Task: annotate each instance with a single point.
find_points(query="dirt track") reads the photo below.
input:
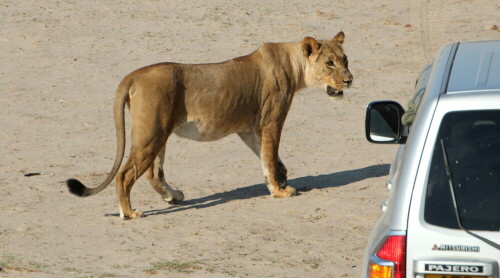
(60, 62)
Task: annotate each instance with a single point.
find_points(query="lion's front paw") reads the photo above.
(136, 214)
(286, 192)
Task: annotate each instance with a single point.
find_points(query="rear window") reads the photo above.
(471, 140)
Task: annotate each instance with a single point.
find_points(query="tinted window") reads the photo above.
(471, 142)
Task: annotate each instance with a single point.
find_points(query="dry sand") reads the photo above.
(60, 62)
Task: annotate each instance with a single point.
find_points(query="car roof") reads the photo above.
(475, 67)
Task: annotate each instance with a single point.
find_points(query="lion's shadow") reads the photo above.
(302, 184)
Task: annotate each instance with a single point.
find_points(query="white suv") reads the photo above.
(442, 216)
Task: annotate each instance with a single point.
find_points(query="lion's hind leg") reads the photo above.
(147, 140)
(156, 178)
(126, 178)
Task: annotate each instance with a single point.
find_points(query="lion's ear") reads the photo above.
(339, 38)
(310, 46)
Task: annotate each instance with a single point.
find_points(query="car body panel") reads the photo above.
(476, 67)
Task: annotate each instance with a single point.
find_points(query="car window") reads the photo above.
(414, 102)
(471, 140)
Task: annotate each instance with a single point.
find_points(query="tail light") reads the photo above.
(390, 259)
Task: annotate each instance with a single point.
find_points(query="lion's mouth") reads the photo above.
(332, 92)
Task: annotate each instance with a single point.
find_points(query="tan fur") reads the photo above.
(249, 96)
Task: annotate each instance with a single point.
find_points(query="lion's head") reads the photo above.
(327, 65)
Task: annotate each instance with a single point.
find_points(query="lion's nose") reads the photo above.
(348, 79)
(348, 82)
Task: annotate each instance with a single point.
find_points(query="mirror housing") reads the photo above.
(383, 123)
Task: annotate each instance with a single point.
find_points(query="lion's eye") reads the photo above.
(329, 63)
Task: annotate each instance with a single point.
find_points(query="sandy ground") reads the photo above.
(60, 62)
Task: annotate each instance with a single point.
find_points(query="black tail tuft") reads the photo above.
(77, 188)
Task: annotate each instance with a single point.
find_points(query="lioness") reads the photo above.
(248, 95)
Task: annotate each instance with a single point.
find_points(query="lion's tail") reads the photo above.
(122, 96)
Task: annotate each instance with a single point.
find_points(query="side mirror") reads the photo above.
(383, 122)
